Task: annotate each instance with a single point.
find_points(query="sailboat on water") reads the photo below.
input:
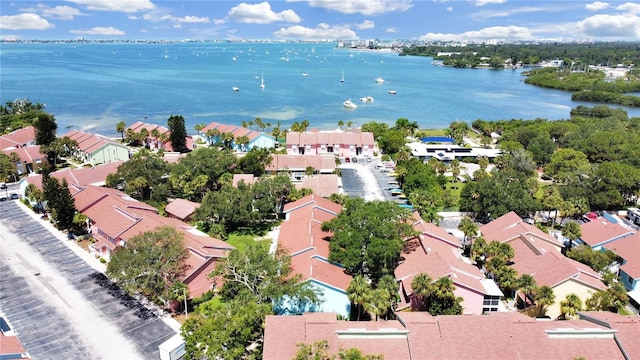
(262, 81)
(342, 78)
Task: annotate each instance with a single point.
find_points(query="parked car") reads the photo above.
(14, 196)
(368, 159)
(3, 185)
(354, 159)
(347, 160)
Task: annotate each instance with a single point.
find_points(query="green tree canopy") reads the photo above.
(150, 263)
(178, 133)
(368, 237)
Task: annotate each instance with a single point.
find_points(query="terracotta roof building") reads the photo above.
(339, 143)
(97, 149)
(114, 218)
(212, 134)
(627, 327)
(153, 141)
(18, 138)
(302, 238)
(602, 233)
(181, 209)
(418, 335)
(437, 254)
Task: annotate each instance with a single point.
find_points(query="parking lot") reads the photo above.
(361, 179)
(61, 307)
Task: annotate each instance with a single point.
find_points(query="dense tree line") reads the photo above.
(612, 53)
(588, 86)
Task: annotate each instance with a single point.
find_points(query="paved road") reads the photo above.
(61, 307)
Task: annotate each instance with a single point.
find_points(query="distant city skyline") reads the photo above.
(426, 20)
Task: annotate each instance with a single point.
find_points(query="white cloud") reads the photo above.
(321, 32)
(392, 30)
(450, 8)
(24, 22)
(487, 2)
(631, 8)
(57, 12)
(597, 6)
(160, 15)
(127, 6)
(364, 7)
(106, 31)
(488, 14)
(496, 32)
(261, 14)
(611, 26)
(367, 24)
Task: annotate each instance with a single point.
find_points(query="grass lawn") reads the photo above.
(432, 132)
(456, 189)
(240, 241)
(540, 192)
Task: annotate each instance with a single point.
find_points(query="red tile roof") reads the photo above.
(79, 177)
(18, 138)
(313, 201)
(28, 155)
(628, 248)
(237, 131)
(323, 185)
(600, 231)
(552, 269)
(421, 336)
(321, 163)
(628, 329)
(181, 208)
(510, 226)
(10, 345)
(89, 143)
(121, 217)
(354, 137)
(248, 179)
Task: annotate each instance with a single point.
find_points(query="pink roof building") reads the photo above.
(155, 142)
(628, 329)
(304, 241)
(437, 254)
(23, 137)
(97, 149)
(212, 135)
(602, 233)
(30, 158)
(181, 209)
(418, 335)
(322, 185)
(510, 228)
(297, 164)
(115, 218)
(628, 248)
(339, 143)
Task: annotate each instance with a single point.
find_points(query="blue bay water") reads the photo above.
(94, 86)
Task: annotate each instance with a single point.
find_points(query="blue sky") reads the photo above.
(564, 20)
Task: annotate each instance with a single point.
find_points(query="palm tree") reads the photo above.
(309, 170)
(455, 169)
(250, 123)
(544, 297)
(421, 286)
(241, 141)
(212, 134)
(304, 124)
(349, 124)
(244, 124)
(379, 303)
(359, 293)
(470, 230)
(199, 127)
(572, 232)
(120, 128)
(570, 306)
(527, 285)
(390, 287)
(478, 251)
(340, 124)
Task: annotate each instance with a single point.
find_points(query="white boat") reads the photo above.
(349, 104)
(392, 92)
(262, 81)
(235, 88)
(379, 80)
(366, 99)
(342, 78)
(304, 74)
